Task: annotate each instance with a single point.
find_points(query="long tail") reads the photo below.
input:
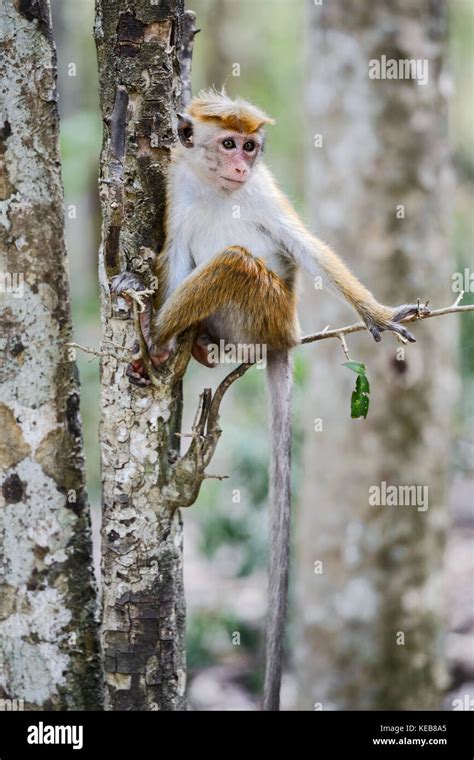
(280, 383)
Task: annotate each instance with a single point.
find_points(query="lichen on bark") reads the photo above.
(143, 600)
(49, 654)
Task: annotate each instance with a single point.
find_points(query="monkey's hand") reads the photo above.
(131, 287)
(126, 284)
(385, 318)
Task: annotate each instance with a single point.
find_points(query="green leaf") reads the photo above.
(357, 367)
(360, 397)
(359, 405)
(362, 384)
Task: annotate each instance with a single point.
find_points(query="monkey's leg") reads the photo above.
(233, 278)
(201, 345)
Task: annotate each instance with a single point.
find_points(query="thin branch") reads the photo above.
(359, 326)
(143, 350)
(344, 347)
(96, 352)
(213, 418)
(202, 414)
(138, 296)
(213, 430)
(188, 472)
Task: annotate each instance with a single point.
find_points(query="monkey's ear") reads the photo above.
(185, 131)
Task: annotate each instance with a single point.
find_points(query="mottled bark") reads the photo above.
(143, 603)
(384, 145)
(48, 627)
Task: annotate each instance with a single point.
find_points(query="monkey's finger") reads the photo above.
(374, 331)
(395, 327)
(137, 378)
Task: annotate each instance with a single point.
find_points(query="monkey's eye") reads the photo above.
(249, 146)
(228, 144)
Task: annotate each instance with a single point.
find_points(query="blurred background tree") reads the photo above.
(225, 532)
(370, 623)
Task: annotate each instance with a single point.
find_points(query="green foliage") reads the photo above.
(358, 367)
(273, 80)
(209, 638)
(301, 369)
(252, 680)
(243, 532)
(360, 396)
(223, 529)
(360, 399)
(461, 20)
(80, 146)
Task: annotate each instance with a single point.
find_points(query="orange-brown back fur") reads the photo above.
(266, 301)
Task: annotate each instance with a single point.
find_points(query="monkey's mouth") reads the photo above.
(234, 181)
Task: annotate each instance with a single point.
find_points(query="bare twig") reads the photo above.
(143, 351)
(96, 352)
(213, 418)
(359, 326)
(200, 422)
(344, 346)
(138, 296)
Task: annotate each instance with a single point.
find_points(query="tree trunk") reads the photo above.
(48, 628)
(143, 601)
(370, 622)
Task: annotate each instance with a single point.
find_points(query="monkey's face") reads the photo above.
(225, 157)
(235, 154)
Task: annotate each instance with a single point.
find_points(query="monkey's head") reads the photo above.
(225, 137)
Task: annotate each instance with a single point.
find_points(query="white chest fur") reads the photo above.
(211, 220)
(227, 223)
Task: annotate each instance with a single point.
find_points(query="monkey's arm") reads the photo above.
(313, 255)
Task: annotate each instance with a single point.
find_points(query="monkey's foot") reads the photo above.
(161, 353)
(130, 286)
(137, 373)
(201, 355)
(400, 312)
(403, 312)
(200, 349)
(417, 310)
